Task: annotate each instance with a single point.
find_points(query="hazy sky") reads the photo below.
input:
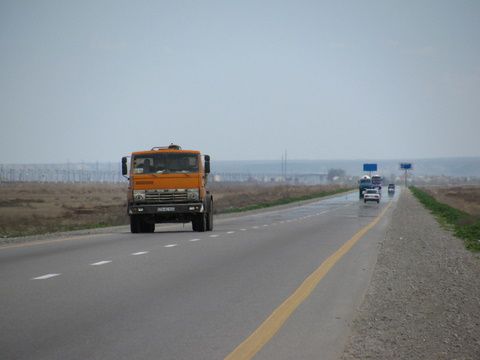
(95, 80)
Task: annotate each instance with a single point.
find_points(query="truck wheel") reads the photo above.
(148, 227)
(138, 225)
(199, 223)
(134, 224)
(210, 218)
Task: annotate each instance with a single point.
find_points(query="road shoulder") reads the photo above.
(424, 295)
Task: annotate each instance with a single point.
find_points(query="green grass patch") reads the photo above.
(284, 201)
(464, 226)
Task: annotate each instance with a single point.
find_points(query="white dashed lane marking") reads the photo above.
(46, 276)
(139, 253)
(103, 262)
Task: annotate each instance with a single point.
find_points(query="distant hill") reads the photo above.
(469, 166)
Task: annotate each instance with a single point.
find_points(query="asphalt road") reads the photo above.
(176, 294)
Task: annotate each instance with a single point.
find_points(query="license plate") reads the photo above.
(164, 209)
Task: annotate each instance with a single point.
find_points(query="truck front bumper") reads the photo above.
(193, 208)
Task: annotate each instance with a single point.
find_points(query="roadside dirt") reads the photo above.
(36, 208)
(465, 198)
(424, 297)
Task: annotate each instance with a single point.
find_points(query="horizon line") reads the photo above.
(264, 160)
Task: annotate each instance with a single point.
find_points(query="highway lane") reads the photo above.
(177, 294)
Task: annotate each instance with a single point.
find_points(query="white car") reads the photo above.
(371, 195)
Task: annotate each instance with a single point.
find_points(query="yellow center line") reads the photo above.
(262, 335)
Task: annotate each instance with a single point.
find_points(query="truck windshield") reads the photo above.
(164, 163)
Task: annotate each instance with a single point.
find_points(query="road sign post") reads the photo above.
(406, 167)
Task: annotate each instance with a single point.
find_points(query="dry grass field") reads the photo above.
(230, 196)
(465, 198)
(37, 208)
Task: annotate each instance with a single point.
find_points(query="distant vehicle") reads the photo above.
(377, 181)
(391, 188)
(363, 184)
(372, 195)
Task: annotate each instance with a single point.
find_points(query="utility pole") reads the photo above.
(281, 170)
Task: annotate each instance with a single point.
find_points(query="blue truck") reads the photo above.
(364, 183)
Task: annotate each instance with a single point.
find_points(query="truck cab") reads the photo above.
(168, 185)
(377, 181)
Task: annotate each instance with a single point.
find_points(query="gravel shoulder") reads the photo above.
(423, 301)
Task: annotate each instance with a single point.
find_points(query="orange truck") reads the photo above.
(168, 185)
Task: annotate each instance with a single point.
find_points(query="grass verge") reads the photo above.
(464, 226)
(7, 237)
(284, 201)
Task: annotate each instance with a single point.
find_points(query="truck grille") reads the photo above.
(166, 196)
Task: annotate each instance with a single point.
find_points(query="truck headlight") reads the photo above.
(138, 195)
(192, 194)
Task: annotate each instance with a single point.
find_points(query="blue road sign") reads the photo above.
(369, 167)
(406, 166)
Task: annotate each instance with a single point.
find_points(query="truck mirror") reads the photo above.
(124, 166)
(207, 164)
